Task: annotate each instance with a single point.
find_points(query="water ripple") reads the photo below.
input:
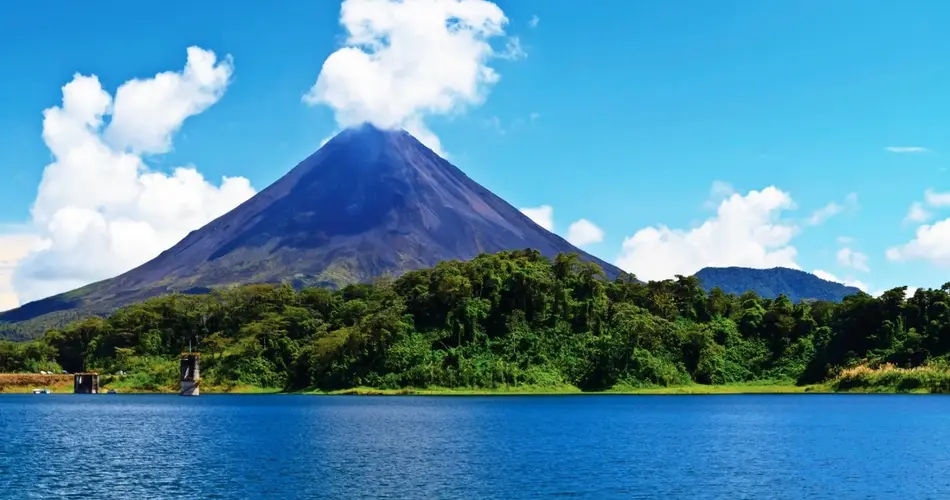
(123, 446)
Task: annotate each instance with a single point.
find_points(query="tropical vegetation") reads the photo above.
(509, 320)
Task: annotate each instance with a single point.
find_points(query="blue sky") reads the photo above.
(626, 115)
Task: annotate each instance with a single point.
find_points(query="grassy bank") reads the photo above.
(886, 379)
(458, 391)
(24, 383)
(891, 379)
(697, 389)
(742, 388)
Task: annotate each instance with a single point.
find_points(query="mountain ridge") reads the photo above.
(769, 283)
(367, 203)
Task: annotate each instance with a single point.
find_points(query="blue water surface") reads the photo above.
(781, 446)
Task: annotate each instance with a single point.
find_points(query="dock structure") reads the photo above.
(190, 377)
(86, 383)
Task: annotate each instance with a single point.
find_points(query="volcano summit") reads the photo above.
(370, 202)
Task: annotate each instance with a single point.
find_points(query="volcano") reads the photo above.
(368, 203)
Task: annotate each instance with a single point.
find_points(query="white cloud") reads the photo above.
(100, 210)
(856, 260)
(746, 231)
(845, 240)
(935, 199)
(146, 112)
(931, 243)
(533, 22)
(906, 149)
(581, 232)
(513, 50)
(13, 247)
(495, 123)
(824, 213)
(584, 232)
(831, 209)
(860, 285)
(405, 60)
(720, 190)
(917, 213)
(542, 216)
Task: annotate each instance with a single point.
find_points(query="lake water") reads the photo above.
(782, 446)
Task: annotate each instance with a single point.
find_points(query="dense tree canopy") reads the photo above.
(513, 318)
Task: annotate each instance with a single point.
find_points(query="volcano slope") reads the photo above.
(368, 203)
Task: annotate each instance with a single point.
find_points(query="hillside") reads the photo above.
(770, 283)
(368, 203)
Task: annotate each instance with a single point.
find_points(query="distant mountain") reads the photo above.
(368, 203)
(771, 283)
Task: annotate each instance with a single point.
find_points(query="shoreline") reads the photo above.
(62, 384)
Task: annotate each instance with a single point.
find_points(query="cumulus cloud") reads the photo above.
(850, 258)
(584, 232)
(100, 210)
(13, 247)
(405, 60)
(146, 112)
(918, 212)
(906, 149)
(580, 233)
(825, 275)
(746, 231)
(542, 216)
(931, 243)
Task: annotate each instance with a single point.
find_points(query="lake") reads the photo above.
(274, 446)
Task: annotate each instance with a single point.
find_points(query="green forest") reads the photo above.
(512, 319)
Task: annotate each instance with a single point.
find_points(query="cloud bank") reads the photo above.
(931, 241)
(13, 247)
(746, 231)
(405, 60)
(100, 210)
(860, 285)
